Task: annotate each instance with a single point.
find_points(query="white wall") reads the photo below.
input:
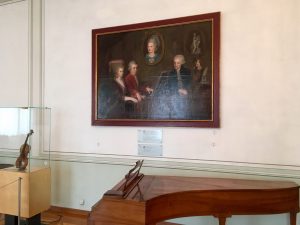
(258, 79)
(14, 54)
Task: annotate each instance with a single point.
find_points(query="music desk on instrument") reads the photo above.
(152, 199)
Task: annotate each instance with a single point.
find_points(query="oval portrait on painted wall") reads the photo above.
(153, 48)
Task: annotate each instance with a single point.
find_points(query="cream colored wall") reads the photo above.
(14, 54)
(258, 79)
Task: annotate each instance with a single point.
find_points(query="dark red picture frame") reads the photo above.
(161, 94)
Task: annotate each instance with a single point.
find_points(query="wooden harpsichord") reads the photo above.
(147, 200)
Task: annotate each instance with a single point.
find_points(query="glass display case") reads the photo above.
(25, 175)
(25, 128)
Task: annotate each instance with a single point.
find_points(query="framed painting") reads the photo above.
(161, 73)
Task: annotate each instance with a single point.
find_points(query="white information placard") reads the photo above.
(150, 136)
(152, 150)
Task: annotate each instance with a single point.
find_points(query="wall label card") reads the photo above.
(150, 136)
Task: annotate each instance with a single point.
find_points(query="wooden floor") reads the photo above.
(63, 216)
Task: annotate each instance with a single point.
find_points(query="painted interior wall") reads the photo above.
(258, 85)
(258, 80)
(14, 54)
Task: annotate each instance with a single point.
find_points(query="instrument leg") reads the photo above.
(293, 218)
(222, 220)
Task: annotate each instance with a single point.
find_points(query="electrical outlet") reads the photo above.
(81, 202)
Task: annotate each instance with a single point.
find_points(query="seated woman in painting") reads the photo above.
(120, 103)
(152, 56)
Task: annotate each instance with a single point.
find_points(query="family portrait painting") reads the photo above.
(160, 73)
